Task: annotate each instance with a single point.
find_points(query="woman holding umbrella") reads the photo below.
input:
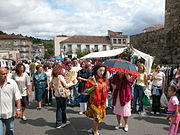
(122, 97)
(121, 83)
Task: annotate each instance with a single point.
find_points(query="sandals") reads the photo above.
(94, 133)
(38, 108)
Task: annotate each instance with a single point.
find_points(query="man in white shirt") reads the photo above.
(9, 94)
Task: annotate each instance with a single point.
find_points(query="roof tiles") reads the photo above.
(87, 39)
(12, 37)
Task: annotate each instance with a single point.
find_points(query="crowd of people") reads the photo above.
(68, 79)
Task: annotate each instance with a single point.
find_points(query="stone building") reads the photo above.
(38, 50)
(164, 43)
(6, 54)
(65, 46)
(16, 43)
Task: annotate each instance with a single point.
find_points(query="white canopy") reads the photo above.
(148, 59)
(101, 54)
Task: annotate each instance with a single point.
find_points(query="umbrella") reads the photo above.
(122, 66)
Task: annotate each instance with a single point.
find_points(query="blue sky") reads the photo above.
(48, 18)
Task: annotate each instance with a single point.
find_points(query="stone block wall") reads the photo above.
(150, 42)
(164, 44)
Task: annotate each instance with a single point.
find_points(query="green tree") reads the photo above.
(127, 54)
(49, 48)
(2, 33)
(81, 53)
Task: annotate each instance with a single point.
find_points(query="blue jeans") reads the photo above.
(74, 95)
(138, 95)
(9, 123)
(61, 117)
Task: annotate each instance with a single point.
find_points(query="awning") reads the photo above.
(110, 53)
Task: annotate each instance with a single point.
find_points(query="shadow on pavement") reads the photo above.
(78, 126)
(38, 122)
(109, 111)
(153, 120)
(69, 110)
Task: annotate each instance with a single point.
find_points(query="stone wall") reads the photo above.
(150, 42)
(164, 44)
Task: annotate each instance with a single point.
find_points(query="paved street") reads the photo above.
(43, 123)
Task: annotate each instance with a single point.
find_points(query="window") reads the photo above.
(119, 41)
(104, 47)
(114, 41)
(124, 41)
(23, 49)
(69, 47)
(96, 48)
(24, 43)
(79, 47)
(87, 48)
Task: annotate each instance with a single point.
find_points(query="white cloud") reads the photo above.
(47, 18)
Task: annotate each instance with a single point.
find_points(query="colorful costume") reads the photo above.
(96, 103)
(173, 129)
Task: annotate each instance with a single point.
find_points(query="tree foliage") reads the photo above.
(127, 54)
(81, 53)
(2, 33)
(49, 48)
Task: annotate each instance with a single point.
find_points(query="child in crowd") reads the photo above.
(173, 111)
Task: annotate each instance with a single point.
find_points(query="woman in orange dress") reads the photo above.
(96, 103)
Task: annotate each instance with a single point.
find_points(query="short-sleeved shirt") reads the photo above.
(71, 75)
(84, 74)
(40, 80)
(49, 73)
(22, 82)
(9, 93)
(172, 102)
(159, 81)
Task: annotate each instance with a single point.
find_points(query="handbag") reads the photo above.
(146, 101)
(82, 98)
(64, 92)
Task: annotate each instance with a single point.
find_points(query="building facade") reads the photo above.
(69, 46)
(164, 43)
(16, 43)
(58, 51)
(38, 50)
(6, 54)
